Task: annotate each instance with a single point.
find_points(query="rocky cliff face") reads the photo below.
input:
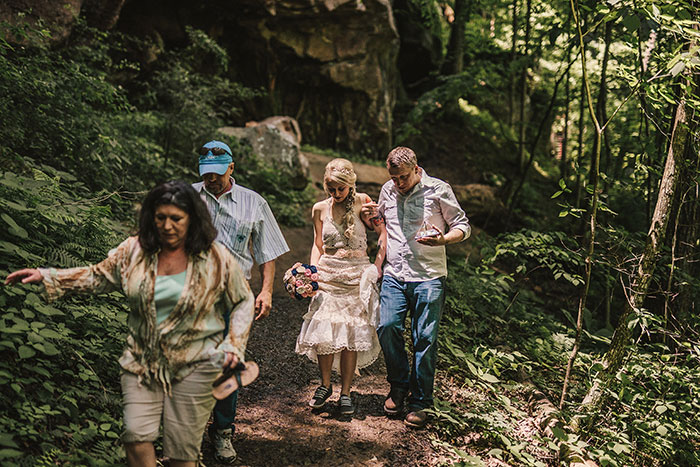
(331, 64)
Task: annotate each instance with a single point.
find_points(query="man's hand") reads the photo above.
(263, 304)
(369, 210)
(435, 240)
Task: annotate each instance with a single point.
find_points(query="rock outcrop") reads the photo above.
(481, 203)
(276, 142)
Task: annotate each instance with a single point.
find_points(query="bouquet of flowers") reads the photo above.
(301, 280)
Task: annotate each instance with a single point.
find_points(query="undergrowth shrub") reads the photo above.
(649, 417)
(506, 323)
(59, 378)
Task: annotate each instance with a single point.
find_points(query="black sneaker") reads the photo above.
(346, 405)
(321, 396)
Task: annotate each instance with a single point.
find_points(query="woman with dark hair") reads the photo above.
(180, 283)
(202, 232)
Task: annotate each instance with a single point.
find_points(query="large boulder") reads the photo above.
(370, 178)
(481, 204)
(275, 141)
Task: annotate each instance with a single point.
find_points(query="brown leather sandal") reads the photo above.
(232, 379)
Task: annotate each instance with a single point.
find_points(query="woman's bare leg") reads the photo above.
(348, 361)
(325, 364)
(140, 454)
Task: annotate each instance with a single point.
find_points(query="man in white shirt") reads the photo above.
(422, 215)
(247, 227)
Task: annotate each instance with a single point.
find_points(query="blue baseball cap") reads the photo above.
(214, 157)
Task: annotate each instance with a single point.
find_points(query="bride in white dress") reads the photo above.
(339, 330)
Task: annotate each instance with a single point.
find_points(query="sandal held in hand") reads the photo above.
(234, 378)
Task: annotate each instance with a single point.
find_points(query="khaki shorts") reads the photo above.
(184, 413)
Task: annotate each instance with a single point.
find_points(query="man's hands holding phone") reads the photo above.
(431, 237)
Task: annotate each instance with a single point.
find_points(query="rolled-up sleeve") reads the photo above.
(452, 212)
(241, 302)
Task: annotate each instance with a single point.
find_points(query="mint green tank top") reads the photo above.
(167, 293)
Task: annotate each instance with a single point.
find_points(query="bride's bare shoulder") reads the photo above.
(320, 207)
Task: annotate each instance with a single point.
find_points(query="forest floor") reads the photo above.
(274, 425)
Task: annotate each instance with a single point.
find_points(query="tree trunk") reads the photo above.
(578, 192)
(600, 110)
(523, 89)
(603, 97)
(454, 60)
(564, 162)
(513, 55)
(689, 225)
(645, 269)
(592, 212)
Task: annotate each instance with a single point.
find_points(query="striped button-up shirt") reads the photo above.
(431, 201)
(243, 219)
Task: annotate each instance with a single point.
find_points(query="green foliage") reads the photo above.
(60, 109)
(59, 378)
(443, 100)
(650, 417)
(554, 252)
(499, 295)
(499, 329)
(190, 92)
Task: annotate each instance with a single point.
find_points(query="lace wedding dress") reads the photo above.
(344, 313)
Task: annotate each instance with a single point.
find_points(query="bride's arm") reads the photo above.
(317, 247)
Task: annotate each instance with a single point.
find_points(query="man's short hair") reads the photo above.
(401, 156)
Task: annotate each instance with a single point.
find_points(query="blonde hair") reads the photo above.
(341, 171)
(400, 156)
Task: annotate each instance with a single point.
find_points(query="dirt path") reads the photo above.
(275, 426)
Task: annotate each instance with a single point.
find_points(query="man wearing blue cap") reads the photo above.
(247, 227)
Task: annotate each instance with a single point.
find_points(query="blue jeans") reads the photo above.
(225, 412)
(425, 301)
(225, 409)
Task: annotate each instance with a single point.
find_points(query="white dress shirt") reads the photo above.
(432, 201)
(242, 217)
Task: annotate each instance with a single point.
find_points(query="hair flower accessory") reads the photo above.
(300, 280)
